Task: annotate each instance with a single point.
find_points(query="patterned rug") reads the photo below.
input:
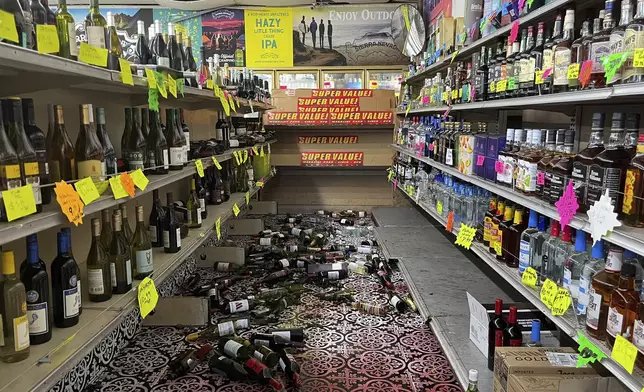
(346, 349)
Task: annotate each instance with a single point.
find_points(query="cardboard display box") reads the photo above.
(576, 383)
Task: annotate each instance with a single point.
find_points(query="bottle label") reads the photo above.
(242, 324)
(633, 39)
(582, 300)
(594, 307)
(597, 51)
(570, 284)
(562, 61)
(530, 177)
(334, 275)
(364, 249)
(629, 190)
(223, 267)
(285, 335)
(95, 279)
(394, 301)
(91, 168)
(547, 59)
(227, 328)
(579, 177)
(163, 61)
(135, 160)
(449, 159)
(231, 347)
(128, 271)
(265, 241)
(144, 261)
(343, 221)
(202, 205)
(301, 264)
(178, 237)
(238, 306)
(95, 36)
(616, 43)
(70, 303)
(285, 263)
(38, 316)
(638, 336)
(152, 232)
(295, 231)
(166, 159)
(199, 214)
(73, 46)
(21, 333)
(176, 156)
(600, 179)
(614, 322)
(524, 255)
(614, 260)
(259, 356)
(113, 273)
(166, 239)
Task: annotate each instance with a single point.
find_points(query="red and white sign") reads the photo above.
(331, 159)
(327, 139)
(354, 118)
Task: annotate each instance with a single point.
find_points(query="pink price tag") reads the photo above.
(395, 184)
(541, 178)
(567, 205)
(479, 160)
(430, 146)
(514, 31)
(546, 73)
(473, 31)
(521, 4)
(498, 167)
(425, 100)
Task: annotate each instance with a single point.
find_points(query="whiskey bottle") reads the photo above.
(616, 41)
(526, 66)
(584, 159)
(543, 176)
(601, 46)
(548, 61)
(634, 39)
(535, 62)
(561, 168)
(601, 288)
(562, 54)
(633, 205)
(623, 306)
(579, 51)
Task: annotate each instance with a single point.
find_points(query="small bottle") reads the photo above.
(535, 334)
(472, 381)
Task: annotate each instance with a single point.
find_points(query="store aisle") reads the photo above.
(346, 349)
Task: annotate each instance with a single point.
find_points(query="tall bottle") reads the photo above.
(584, 159)
(30, 24)
(61, 154)
(113, 45)
(157, 216)
(136, 149)
(634, 39)
(561, 168)
(548, 250)
(194, 207)
(186, 134)
(171, 228)
(603, 284)
(38, 142)
(622, 310)
(549, 54)
(64, 280)
(14, 313)
(141, 248)
(99, 275)
(9, 161)
(142, 50)
(190, 59)
(182, 127)
(573, 265)
(175, 55)
(633, 204)
(95, 25)
(109, 154)
(38, 14)
(160, 49)
(22, 28)
(592, 266)
(617, 37)
(66, 28)
(175, 140)
(601, 46)
(580, 51)
(495, 332)
(106, 229)
(562, 53)
(512, 335)
(513, 238)
(89, 152)
(157, 147)
(125, 138)
(26, 153)
(120, 261)
(145, 122)
(36, 282)
(128, 234)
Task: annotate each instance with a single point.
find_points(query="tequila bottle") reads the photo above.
(601, 46)
(634, 39)
(573, 266)
(584, 159)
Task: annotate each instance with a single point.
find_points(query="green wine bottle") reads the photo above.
(120, 262)
(99, 276)
(14, 341)
(113, 45)
(66, 28)
(141, 247)
(95, 25)
(194, 207)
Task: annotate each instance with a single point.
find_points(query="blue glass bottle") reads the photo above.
(36, 281)
(64, 278)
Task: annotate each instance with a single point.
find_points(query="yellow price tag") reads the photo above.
(126, 72)
(139, 178)
(209, 84)
(390, 174)
(247, 197)
(445, 96)
(87, 190)
(573, 71)
(199, 166)
(638, 58)
(148, 296)
(8, 28)
(405, 13)
(161, 82)
(231, 102)
(538, 77)
(624, 353)
(497, 248)
(465, 236)
(218, 228)
(47, 39)
(454, 94)
(224, 104)
(529, 277)
(236, 209)
(70, 202)
(439, 207)
(152, 79)
(261, 151)
(548, 293)
(172, 86)
(561, 302)
(245, 156)
(19, 202)
(117, 188)
(501, 85)
(216, 162)
(260, 184)
(255, 150)
(92, 55)
(101, 186)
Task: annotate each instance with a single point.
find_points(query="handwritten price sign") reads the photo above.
(529, 277)
(70, 202)
(19, 202)
(561, 302)
(47, 39)
(92, 55)
(148, 297)
(548, 293)
(465, 236)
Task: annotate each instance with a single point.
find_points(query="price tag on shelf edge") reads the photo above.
(199, 166)
(87, 190)
(148, 296)
(19, 202)
(218, 228)
(548, 293)
(561, 302)
(216, 162)
(236, 209)
(529, 277)
(70, 202)
(624, 353)
(139, 178)
(128, 184)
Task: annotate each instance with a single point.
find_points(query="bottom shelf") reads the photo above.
(569, 324)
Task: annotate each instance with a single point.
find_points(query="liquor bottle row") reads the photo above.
(513, 69)
(541, 162)
(604, 280)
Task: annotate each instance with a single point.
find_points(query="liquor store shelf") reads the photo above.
(24, 71)
(626, 237)
(52, 216)
(70, 345)
(464, 53)
(568, 323)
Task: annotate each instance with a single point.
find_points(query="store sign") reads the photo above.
(327, 139)
(355, 118)
(331, 159)
(269, 37)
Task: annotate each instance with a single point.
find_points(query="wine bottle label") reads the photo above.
(144, 262)
(152, 231)
(113, 273)
(364, 249)
(128, 271)
(291, 220)
(547, 59)
(70, 303)
(231, 347)
(530, 176)
(296, 231)
(638, 335)
(163, 61)
(227, 328)
(394, 301)
(343, 221)
(95, 279)
(262, 342)
(178, 237)
(135, 159)
(301, 264)
(95, 36)
(282, 365)
(21, 333)
(337, 266)
(91, 168)
(1, 331)
(202, 204)
(592, 312)
(614, 260)
(238, 306)
(582, 300)
(284, 263)
(223, 267)
(614, 322)
(334, 275)
(234, 143)
(259, 356)
(285, 335)
(176, 156)
(71, 31)
(166, 159)
(38, 313)
(265, 241)
(242, 324)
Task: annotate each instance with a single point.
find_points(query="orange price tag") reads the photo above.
(70, 202)
(128, 184)
(450, 221)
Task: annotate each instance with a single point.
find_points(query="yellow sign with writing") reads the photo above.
(117, 188)
(538, 77)
(8, 28)
(624, 353)
(70, 202)
(199, 165)
(148, 296)
(87, 190)
(126, 72)
(548, 293)
(216, 162)
(152, 79)
(269, 37)
(19, 202)
(638, 58)
(236, 209)
(465, 236)
(573, 70)
(260, 184)
(218, 228)
(161, 84)
(139, 178)
(501, 85)
(561, 302)
(247, 197)
(47, 39)
(529, 277)
(92, 55)
(172, 86)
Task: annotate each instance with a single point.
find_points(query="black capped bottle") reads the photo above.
(160, 49)
(142, 50)
(141, 248)
(99, 275)
(227, 367)
(233, 349)
(14, 313)
(190, 59)
(120, 257)
(39, 311)
(136, 148)
(125, 138)
(89, 152)
(38, 142)
(194, 207)
(158, 160)
(113, 45)
(61, 154)
(171, 228)
(175, 140)
(584, 159)
(64, 278)
(174, 54)
(157, 216)
(109, 154)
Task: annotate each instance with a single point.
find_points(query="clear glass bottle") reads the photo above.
(562, 53)
(548, 251)
(66, 28)
(579, 52)
(158, 160)
(562, 252)
(472, 381)
(14, 314)
(89, 152)
(548, 61)
(120, 257)
(593, 264)
(573, 265)
(136, 148)
(634, 39)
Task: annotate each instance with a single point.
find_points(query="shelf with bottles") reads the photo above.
(49, 361)
(571, 322)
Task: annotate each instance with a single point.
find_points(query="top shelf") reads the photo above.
(24, 71)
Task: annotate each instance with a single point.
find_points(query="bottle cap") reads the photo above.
(598, 250)
(633, 122)
(474, 375)
(63, 242)
(8, 263)
(580, 241)
(566, 236)
(535, 334)
(598, 118)
(532, 220)
(618, 121)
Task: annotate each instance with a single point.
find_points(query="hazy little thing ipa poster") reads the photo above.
(269, 37)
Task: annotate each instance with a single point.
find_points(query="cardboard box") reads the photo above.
(574, 383)
(480, 144)
(495, 144)
(531, 361)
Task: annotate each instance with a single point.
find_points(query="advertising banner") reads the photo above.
(223, 34)
(269, 37)
(327, 139)
(331, 159)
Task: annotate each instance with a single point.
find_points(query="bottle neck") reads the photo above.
(558, 27)
(32, 254)
(539, 38)
(30, 116)
(93, 7)
(626, 283)
(596, 138)
(626, 15)
(640, 10)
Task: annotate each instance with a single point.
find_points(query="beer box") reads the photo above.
(577, 383)
(530, 361)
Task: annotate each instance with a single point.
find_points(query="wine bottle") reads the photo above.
(106, 230)
(128, 234)
(158, 160)
(239, 306)
(113, 45)
(14, 313)
(233, 349)
(30, 26)
(142, 50)
(67, 231)
(175, 56)
(51, 17)
(160, 49)
(152, 37)
(30, 239)
(61, 154)
(261, 373)
(145, 122)
(184, 141)
(141, 248)
(194, 207)
(202, 195)
(38, 13)
(95, 25)
(15, 7)
(136, 149)
(11, 166)
(227, 367)
(99, 275)
(157, 216)
(182, 51)
(125, 138)
(495, 332)
(66, 28)
(186, 134)
(265, 355)
(289, 334)
(111, 165)
(120, 262)
(26, 153)
(216, 188)
(171, 228)
(397, 302)
(38, 142)
(290, 367)
(64, 280)
(36, 282)
(204, 71)
(175, 140)
(89, 152)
